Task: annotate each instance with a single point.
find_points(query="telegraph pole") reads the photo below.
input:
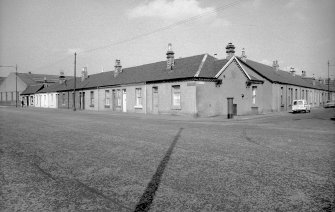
(74, 84)
(16, 85)
(328, 82)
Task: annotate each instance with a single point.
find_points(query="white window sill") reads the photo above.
(138, 106)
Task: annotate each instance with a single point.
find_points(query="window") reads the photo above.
(138, 96)
(307, 96)
(281, 96)
(254, 88)
(12, 96)
(176, 97)
(296, 93)
(92, 99)
(1, 96)
(107, 98)
(118, 98)
(302, 94)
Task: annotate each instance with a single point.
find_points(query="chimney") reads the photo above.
(243, 56)
(84, 74)
(230, 50)
(303, 73)
(118, 67)
(61, 77)
(292, 71)
(275, 65)
(169, 58)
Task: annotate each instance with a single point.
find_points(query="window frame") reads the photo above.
(107, 98)
(176, 97)
(253, 94)
(91, 98)
(138, 98)
(118, 98)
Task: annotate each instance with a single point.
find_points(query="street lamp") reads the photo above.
(15, 81)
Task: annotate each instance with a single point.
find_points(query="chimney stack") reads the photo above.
(61, 77)
(243, 56)
(169, 58)
(84, 73)
(230, 50)
(117, 67)
(275, 65)
(303, 73)
(292, 71)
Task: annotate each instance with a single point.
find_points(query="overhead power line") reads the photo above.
(184, 21)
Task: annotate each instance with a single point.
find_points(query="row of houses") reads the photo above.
(200, 85)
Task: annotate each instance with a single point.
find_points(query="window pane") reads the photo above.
(138, 96)
(176, 96)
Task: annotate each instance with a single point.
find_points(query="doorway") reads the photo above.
(155, 100)
(83, 100)
(124, 100)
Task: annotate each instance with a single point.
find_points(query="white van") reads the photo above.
(300, 105)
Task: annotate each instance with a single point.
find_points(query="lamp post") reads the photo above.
(15, 80)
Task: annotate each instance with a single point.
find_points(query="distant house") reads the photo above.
(11, 84)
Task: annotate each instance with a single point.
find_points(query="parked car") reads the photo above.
(329, 104)
(300, 105)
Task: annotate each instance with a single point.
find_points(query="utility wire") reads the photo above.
(221, 8)
(184, 21)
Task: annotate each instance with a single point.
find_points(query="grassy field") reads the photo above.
(55, 160)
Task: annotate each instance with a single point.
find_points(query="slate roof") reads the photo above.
(55, 87)
(31, 89)
(31, 79)
(282, 77)
(185, 68)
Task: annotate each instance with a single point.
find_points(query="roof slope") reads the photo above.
(55, 87)
(184, 68)
(284, 77)
(31, 79)
(31, 89)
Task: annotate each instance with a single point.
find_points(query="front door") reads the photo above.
(83, 98)
(124, 100)
(154, 99)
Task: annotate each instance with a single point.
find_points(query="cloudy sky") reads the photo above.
(41, 36)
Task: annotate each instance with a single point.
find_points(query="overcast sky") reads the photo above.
(41, 36)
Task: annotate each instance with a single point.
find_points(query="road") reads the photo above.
(60, 160)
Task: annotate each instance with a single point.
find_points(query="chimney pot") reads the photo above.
(303, 73)
(61, 77)
(244, 56)
(170, 58)
(230, 50)
(118, 67)
(84, 73)
(292, 71)
(275, 65)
